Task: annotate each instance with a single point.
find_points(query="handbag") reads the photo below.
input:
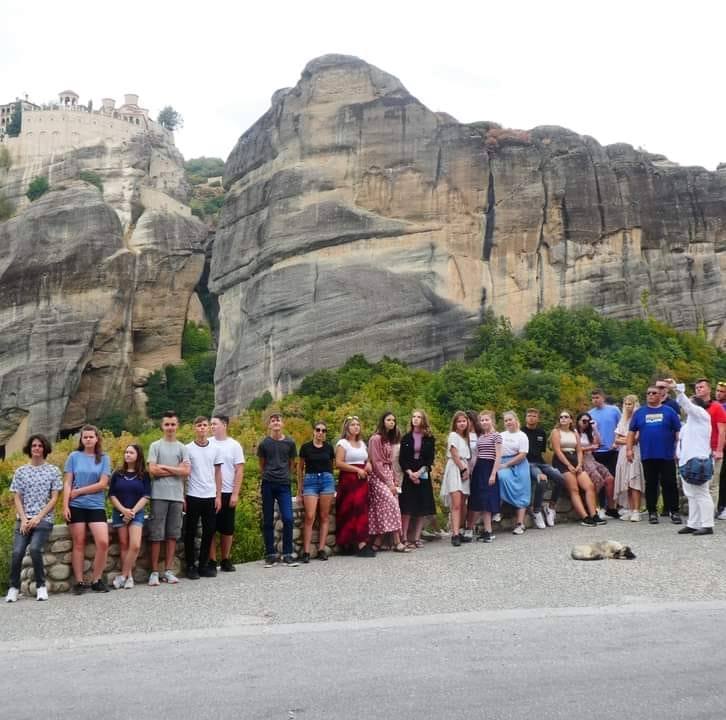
(697, 471)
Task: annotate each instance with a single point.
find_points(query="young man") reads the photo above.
(540, 472)
(718, 429)
(277, 456)
(203, 501)
(168, 466)
(230, 464)
(606, 418)
(657, 427)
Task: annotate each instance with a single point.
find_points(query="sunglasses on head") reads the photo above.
(351, 417)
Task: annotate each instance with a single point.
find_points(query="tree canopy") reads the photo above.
(170, 119)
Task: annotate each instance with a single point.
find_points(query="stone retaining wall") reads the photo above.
(57, 554)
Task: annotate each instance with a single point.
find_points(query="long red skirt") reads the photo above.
(351, 509)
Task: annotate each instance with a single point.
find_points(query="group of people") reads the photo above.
(605, 459)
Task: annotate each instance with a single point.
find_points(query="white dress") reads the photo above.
(452, 480)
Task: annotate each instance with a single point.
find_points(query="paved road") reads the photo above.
(514, 630)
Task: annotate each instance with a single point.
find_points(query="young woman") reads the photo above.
(455, 483)
(85, 479)
(351, 504)
(417, 494)
(567, 459)
(316, 485)
(515, 485)
(629, 479)
(35, 487)
(384, 514)
(129, 491)
(484, 499)
(598, 473)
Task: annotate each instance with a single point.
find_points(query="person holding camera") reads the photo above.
(455, 483)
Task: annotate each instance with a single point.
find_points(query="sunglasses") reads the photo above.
(352, 417)
(322, 430)
(564, 417)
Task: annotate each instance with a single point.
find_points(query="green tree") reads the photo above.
(16, 121)
(38, 186)
(170, 119)
(92, 178)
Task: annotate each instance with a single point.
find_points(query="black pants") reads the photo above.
(660, 474)
(199, 508)
(722, 487)
(608, 458)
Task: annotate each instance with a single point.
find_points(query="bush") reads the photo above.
(38, 186)
(92, 179)
(7, 209)
(5, 160)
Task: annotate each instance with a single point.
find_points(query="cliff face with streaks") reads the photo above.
(94, 285)
(359, 221)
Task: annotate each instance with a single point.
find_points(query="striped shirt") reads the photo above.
(486, 445)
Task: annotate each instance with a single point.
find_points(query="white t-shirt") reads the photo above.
(229, 455)
(461, 444)
(200, 483)
(353, 455)
(514, 443)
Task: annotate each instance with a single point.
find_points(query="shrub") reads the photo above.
(38, 186)
(92, 178)
(5, 160)
(7, 209)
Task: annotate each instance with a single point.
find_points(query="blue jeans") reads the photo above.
(36, 539)
(280, 492)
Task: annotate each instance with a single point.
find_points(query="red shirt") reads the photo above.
(718, 415)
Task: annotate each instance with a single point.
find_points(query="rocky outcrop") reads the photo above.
(358, 221)
(94, 286)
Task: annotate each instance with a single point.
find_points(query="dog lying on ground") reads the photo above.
(607, 549)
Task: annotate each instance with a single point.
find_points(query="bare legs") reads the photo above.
(129, 540)
(99, 531)
(574, 485)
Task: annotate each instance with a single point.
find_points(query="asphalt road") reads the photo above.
(513, 630)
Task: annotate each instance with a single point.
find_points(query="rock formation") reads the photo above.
(358, 221)
(94, 286)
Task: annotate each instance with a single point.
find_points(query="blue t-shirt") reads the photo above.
(607, 418)
(128, 488)
(657, 428)
(86, 471)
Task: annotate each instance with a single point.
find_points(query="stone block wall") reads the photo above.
(57, 554)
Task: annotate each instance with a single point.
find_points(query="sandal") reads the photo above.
(402, 548)
(419, 543)
(376, 548)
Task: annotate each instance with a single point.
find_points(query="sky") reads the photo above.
(649, 74)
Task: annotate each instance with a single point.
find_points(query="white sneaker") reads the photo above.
(497, 517)
(601, 514)
(154, 579)
(550, 514)
(539, 520)
(118, 582)
(12, 595)
(635, 516)
(129, 584)
(518, 529)
(169, 577)
(625, 515)
(721, 515)
(41, 593)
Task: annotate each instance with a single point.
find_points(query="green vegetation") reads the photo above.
(38, 186)
(16, 122)
(207, 199)
(92, 178)
(7, 209)
(201, 168)
(6, 160)
(170, 119)
(554, 363)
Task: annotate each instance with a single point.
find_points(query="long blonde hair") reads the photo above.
(636, 405)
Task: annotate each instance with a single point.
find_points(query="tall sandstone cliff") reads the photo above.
(94, 287)
(359, 221)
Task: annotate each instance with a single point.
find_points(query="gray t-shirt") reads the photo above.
(169, 487)
(277, 455)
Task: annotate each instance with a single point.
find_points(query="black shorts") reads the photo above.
(559, 465)
(225, 517)
(86, 515)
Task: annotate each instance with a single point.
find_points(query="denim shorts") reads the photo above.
(319, 484)
(117, 519)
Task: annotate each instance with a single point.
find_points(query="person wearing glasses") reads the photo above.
(567, 458)
(600, 475)
(656, 428)
(351, 503)
(316, 486)
(417, 494)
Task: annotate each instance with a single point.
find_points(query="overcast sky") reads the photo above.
(650, 74)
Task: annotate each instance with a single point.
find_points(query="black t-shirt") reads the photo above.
(277, 455)
(317, 459)
(537, 444)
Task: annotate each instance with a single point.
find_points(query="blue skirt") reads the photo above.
(515, 486)
(483, 496)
